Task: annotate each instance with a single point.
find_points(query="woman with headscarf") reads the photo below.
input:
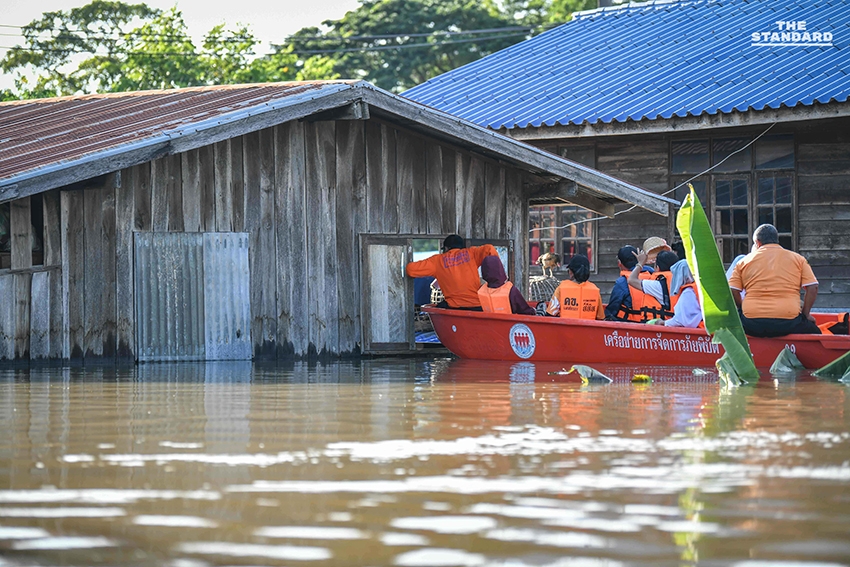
(686, 309)
(499, 295)
(577, 298)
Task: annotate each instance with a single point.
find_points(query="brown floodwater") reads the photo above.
(419, 462)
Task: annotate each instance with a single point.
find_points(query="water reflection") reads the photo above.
(418, 462)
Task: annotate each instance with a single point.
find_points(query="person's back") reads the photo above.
(577, 298)
(772, 278)
(625, 303)
(498, 295)
(456, 270)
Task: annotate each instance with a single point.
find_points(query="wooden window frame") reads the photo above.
(534, 268)
(752, 176)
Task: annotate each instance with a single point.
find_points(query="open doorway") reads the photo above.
(425, 290)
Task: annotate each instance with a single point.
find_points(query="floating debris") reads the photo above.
(561, 372)
(589, 374)
(642, 378)
(700, 372)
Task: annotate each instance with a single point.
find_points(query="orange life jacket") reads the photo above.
(652, 308)
(676, 297)
(496, 299)
(841, 324)
(637, 295)
(579, 300)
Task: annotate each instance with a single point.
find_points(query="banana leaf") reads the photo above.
(786, 363)
(838, 368)
(719, 310)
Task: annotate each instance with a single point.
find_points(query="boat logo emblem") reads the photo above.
(522, 340)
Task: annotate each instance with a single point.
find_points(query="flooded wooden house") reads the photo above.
(251, 220)
(748, 101)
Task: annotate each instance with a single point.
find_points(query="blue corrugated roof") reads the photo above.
(654, 60)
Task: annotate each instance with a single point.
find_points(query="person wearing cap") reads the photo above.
(653, 246)
(772, 278)
(625, 302)
(673, 290)
(499, 295)
(577, 298)
(456, 270)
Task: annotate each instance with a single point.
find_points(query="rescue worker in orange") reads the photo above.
(456, 270)
(499, 295)
(677, 288)
(577, 298)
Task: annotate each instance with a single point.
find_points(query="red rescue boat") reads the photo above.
(491, 336)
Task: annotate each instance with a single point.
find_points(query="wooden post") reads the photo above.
(21, 228)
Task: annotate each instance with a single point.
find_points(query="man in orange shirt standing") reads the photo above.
(456, 270)
(772, 278)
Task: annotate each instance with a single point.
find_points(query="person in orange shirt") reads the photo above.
(772, 278)
(456, 270)
(577, 298)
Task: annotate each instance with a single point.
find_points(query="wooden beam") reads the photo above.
(357, 110)
(569, 192)
(675, 124)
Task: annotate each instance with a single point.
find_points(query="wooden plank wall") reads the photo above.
(31, 317)
(823, 198)
(304, 191)
(647, 165)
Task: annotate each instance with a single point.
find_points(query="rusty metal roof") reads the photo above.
(56, 142)
(38, 133)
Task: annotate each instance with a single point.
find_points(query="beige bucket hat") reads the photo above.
(655, 244)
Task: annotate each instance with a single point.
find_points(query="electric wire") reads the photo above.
(633, 207)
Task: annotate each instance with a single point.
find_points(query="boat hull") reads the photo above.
(490, 336)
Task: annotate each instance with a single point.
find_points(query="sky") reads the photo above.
(269, 21)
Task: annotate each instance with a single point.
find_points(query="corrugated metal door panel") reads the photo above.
(227, 296)
(169, 296)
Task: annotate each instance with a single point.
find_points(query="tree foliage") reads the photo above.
(109, 45)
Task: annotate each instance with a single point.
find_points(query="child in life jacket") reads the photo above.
(499, 295)
(577, 298)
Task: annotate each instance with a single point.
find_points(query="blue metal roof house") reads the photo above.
(746, 99)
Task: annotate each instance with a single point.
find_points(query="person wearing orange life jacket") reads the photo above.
(625, 302)
(682, 292)
(658, 301)
(577, 298)
(499, 295)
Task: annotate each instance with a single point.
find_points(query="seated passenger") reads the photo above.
(772, 278)
(683, 296)
(499, 295)
(625, 302)
(657, 300)
(577, 298)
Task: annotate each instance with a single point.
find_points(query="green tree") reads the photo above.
(90, 49)
(396, 44)
(54, 41)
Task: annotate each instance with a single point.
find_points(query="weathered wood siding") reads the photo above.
(823, 198)
(304, 191)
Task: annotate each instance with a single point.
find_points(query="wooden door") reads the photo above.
(386, 295)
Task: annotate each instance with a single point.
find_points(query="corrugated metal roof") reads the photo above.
(654, 60)
(38, 133)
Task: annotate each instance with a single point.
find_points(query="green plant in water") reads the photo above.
(719, 310)
(838, 368)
